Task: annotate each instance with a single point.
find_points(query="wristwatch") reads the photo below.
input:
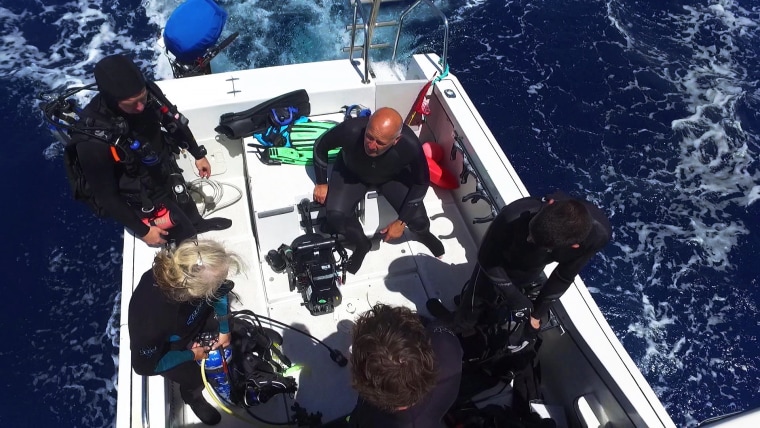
(200, 153)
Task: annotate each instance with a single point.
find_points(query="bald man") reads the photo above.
(377, 152)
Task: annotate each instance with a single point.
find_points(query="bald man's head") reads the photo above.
(383, 131)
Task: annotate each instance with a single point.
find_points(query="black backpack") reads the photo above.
(80, 189)
(64, 117)
(273, 112)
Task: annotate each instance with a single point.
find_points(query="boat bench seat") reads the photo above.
(375, 212)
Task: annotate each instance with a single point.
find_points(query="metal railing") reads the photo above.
(406, 12)
(145, 411)
(369, 23)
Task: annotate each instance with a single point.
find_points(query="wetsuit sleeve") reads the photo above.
(151, 349)
(499, 236)
(148, 349)
(420, 175)
(98, 167)
(565, 272)
(448, 358)
(559, 281)
(150, 323)
(332, 139)
(516, 301)
(149, 354)
(221, 306)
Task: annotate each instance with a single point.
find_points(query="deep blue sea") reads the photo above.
(649, 108)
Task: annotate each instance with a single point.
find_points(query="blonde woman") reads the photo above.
(183, 295)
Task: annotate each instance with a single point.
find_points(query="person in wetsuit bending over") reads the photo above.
(523, 239)
(377, 151)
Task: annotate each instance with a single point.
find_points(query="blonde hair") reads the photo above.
(194, 270)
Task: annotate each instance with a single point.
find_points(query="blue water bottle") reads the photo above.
(215, 372)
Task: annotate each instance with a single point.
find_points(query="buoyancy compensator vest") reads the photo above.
(258, 370)
(149, 163)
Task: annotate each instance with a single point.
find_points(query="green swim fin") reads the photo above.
(293, 156)
(304, 134)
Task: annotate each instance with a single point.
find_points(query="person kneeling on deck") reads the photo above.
(406, 374)
(128, 163)
(523, 239)
(172, 304)
(377, 151)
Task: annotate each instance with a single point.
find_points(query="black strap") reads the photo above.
(147, 204)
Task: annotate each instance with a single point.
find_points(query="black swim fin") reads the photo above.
(218, 223)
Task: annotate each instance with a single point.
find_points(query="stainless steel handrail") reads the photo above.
(370, 31)
(445, 34)
(145, 411)
(369, 24)
(357, 11)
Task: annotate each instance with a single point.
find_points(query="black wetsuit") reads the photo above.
(429, 412)
(162, 330)
(123, 188)
(508, 262)
(401, 174)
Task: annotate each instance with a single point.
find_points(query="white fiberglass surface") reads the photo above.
(398, 273)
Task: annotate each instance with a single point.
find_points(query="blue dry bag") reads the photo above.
(192, 28)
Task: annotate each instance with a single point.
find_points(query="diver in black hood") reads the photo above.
(131, 168)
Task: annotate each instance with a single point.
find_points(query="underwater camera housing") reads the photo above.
(313, 271)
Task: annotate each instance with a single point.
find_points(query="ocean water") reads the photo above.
(648, 108)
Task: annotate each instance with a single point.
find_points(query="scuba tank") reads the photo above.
(216, 371)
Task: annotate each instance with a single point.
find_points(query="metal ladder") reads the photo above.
(369, 23)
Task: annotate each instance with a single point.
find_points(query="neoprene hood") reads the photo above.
(118, 77)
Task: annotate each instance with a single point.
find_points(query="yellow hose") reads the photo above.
(216, 398)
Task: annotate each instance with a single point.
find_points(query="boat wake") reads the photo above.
(697, 171)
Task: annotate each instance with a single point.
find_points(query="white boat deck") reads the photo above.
(399, 273)
(402, 273)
